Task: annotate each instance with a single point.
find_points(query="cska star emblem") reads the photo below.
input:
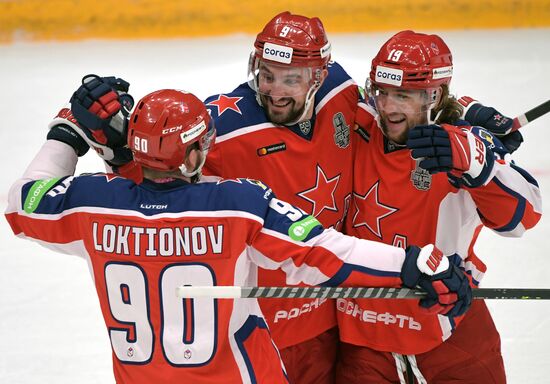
(234, 180)
(109, 176)
(369, 211)
(322, 194)
(223, 103)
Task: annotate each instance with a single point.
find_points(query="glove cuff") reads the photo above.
(67, 135)
(470, 108)
(482, 159)
(410, 274)
(485, 175)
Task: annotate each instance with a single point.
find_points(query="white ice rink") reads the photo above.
(51, 329)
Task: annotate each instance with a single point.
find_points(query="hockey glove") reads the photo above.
(62, 128)
(447, 286)
(101, 107)
(492, 120)
(455, 150)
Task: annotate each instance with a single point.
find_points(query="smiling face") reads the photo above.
(283, 91)
(401, 110)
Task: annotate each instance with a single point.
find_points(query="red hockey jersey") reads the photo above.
(308, 165)
(398, 203)
(142, 241)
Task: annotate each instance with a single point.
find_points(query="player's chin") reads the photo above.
(280, 115)
(396, 132)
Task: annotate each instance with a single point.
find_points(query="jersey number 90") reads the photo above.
(187, 326)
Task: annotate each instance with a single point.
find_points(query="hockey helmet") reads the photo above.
(412, 60)
(289, 46)
(293, 40)
(163, 128)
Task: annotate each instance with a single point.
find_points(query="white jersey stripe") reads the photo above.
(333, 93)
(244, 131)
(128, 213)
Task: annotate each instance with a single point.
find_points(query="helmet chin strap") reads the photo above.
(186, 173)
(432, 105)
(434, 120)
(307, 104)
(309, 96)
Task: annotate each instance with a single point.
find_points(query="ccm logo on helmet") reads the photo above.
(278, 53)
(172, 129)
(387, 75)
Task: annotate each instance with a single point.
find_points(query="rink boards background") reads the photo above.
(131, 19)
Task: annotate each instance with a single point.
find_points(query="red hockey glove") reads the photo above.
(492, 120)
(451, 149)
(101, 107)
(447, 286)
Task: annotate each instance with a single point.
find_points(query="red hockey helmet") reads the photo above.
(412, 60)
(294, 40)
(165, 125)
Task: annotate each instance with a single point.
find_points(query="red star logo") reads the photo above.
(235, 180)
(373, 210)
(223, 103)
(322, 194)
(108, 176)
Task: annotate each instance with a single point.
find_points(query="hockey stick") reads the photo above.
(232, 292)
(530, 115)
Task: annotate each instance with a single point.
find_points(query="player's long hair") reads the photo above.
(449, 109)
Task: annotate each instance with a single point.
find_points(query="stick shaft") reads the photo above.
(531, 115)
(350, 292)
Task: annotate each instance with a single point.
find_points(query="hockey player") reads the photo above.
(290, 126)
(418, 179)
(142, 241)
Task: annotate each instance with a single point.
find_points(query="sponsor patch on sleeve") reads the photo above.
(301, 229)
(37, 192)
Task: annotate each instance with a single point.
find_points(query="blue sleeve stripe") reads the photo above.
(520, 209)
(345, 271)
(252, 323)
